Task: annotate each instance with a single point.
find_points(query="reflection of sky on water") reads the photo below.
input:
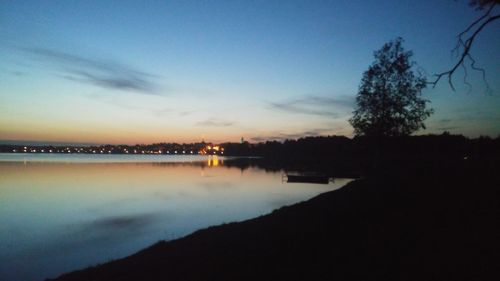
(59, 216)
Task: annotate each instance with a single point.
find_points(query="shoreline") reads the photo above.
(422, 223)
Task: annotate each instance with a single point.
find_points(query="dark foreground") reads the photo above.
(419, 222)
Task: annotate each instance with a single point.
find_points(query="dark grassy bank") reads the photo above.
(435, 220)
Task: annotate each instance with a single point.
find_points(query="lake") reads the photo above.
(61, 212)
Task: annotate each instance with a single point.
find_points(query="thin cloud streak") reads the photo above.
(101, 73)
(444, 120)
(317, 105)
(121, 222)
(186, 113)
(213, 122)
(450, 128)
(119, 83)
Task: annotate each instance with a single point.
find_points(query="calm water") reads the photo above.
(63, 212)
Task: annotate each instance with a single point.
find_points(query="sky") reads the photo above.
(127, 72)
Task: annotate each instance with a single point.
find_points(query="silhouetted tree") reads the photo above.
(466, 39)
(388, 101)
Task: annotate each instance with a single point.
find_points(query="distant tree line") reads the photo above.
(342, 156)
(334, 155)
(333, 146)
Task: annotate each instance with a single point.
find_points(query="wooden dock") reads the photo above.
(305, 178)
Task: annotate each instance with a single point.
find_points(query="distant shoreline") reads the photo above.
(164, 148)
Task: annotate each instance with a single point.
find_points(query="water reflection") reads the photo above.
(213, 161)
(59, 216)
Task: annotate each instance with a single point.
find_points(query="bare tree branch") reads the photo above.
(477, 21)
(469, 86)
(483, 72)
(460, 41)
(477, 26)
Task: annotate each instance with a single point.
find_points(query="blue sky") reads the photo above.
(151, 71)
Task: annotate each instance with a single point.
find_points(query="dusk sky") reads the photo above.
(182, 71)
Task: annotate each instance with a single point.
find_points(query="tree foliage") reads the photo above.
(388, 101)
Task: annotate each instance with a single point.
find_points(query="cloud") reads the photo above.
(317, 105)
(106, 227)
(162, 112)
(102, 73)
(105, 230)
(450, 128)
(17, 73)
(444, 124)
(186, 113)
(444, 121)
(119, 83)
(121, 222)
(214, 122)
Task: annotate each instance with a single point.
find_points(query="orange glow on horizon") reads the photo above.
(83, 132)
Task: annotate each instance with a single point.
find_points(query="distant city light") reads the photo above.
(123, 149)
